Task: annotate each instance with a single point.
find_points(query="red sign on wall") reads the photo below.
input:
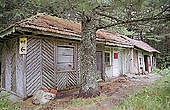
(115, 55)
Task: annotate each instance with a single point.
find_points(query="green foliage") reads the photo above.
(155, 97)
(162, 71)
(6, 104)
(84, 102)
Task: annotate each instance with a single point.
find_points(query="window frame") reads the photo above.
(74, 56)
(108, 63)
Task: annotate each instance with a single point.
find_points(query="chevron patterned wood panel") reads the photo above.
(61, 80)
(48, 77)
(72, 79)
(33, 64)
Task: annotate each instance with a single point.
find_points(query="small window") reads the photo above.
(65, 58)
(115, 55)
(107, 58)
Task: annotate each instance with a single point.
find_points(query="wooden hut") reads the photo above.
(144, 57)
(44, 52)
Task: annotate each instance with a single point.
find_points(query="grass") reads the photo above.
(153, 97)
(79, 102)
(6, 104)
(163, 71)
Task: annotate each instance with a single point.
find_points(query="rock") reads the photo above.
(42, 97)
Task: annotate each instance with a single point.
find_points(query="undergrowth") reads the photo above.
(162, 71)
(7, 104)
(79, 102)
(153, 97)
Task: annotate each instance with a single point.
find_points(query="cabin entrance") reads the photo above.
(146, 63)
(99, 63)
(116, 63)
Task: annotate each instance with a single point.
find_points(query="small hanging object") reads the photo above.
(23, 46)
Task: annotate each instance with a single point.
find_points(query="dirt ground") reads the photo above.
(116, 89)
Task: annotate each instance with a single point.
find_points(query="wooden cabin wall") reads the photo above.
(135, 61)
(8, 66)
(41, 65)
(25, 74)
(48, 63)
(12, 70)
(100, 48)
(20, 72)
(129, 60)
(33, 66)
(68, 79)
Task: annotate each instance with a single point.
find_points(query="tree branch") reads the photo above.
(162, 11)
(133, 21)
(108, 16)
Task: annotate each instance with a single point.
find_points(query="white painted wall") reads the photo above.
(121, 65)
(113, 69)
(116, 64)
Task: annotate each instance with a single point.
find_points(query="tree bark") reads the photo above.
(88, 69)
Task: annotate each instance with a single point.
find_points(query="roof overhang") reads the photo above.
(7, 32)
(138, 48)
(118, 45)
(53, 34)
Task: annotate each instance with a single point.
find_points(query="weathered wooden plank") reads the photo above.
(20, 67)
(3, 66)
(61, 80)
(65, 67)
(33, 72)
(65, 50)
(72, 79)
(8, 67)
(64, 59)
(13, 65)
(48, 74)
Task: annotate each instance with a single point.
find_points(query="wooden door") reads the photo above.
(146, 62)
(99, 63)
(116, 63)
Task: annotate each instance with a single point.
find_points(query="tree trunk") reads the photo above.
(88, 69)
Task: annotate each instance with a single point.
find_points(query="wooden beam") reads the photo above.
(73, 36)
(7, 32)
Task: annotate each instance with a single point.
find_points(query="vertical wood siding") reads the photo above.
(8, 67)
(33, 66)
(48, 74)
(13, 65)
(3, 66)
